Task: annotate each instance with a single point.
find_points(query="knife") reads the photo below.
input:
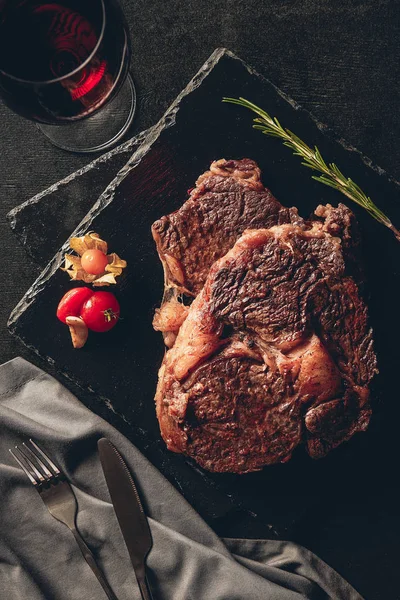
(128, 508)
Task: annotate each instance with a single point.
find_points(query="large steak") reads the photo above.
(274, 351)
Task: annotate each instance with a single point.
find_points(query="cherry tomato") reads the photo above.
(71, 304)
(101, 311)
(94, 261)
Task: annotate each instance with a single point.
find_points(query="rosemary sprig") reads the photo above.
(330, 174)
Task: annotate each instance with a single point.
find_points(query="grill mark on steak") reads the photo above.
(276, 349)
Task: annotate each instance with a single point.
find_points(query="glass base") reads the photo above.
(100, 131)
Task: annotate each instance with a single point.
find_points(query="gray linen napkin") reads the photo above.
(40, 559)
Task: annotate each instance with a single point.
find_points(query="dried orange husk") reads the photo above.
(89, 241)
(115, 262)
(108, 279)
(73, 265)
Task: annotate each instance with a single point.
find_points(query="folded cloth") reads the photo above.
(39, 558)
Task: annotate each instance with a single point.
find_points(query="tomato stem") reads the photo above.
(109, 315)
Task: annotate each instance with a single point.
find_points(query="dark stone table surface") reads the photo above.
(338, 59)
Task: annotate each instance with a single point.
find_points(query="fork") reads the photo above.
(58, 496)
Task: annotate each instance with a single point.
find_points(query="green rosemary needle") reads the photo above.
(330, 174)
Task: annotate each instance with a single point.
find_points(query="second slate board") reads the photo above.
(43, 222)
(121, 367)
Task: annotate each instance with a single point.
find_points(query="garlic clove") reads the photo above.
(78, 330)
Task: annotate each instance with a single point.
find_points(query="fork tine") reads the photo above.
(51, 465)
(32, 466)
(48, 474)
(27, 473)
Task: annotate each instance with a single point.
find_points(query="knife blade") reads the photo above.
(129, 510)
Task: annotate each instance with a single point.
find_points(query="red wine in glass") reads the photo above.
(63, 61)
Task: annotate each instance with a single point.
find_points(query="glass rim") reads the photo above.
(71, 73)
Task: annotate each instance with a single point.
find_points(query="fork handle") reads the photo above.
(88, 556)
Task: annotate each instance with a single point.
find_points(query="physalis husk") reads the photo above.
(73, 264)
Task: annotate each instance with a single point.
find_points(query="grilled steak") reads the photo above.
(227, 199)
(275, 350)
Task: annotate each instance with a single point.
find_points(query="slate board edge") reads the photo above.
(134, 141)
(149, 137)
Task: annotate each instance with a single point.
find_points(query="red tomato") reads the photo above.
(101, 311)
(94, 261)
(71, 304)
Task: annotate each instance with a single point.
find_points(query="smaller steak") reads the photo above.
(227, 199)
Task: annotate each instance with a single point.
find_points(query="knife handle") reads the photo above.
(144, 587)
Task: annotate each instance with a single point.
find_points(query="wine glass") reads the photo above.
(64, 65)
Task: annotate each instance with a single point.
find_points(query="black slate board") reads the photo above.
(122, 372)
(43, 223)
